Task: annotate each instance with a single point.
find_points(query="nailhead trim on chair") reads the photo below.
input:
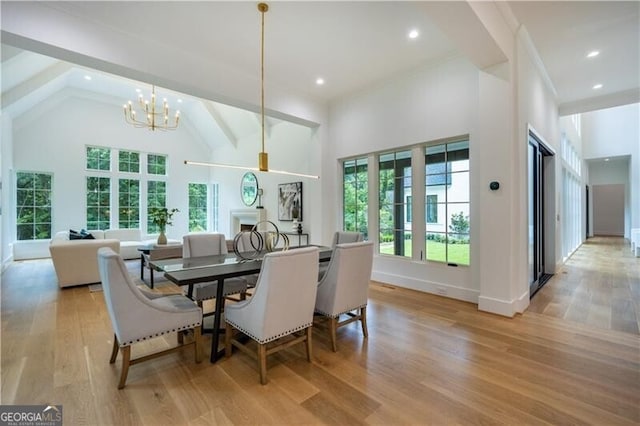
(344, 312)
(270, 339)
(188, 327)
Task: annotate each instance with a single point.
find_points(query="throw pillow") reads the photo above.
(74, 235)
(86, 235)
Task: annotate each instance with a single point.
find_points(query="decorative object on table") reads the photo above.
(151, 119)
(249, 189)
(263, 157)
(259, 240)
(299, 228)
(161, 217)
(290, 201)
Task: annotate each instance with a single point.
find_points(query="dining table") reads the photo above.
(194, 270)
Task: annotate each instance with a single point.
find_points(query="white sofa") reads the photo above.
(76, 261)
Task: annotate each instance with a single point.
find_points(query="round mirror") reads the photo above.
(249, 189)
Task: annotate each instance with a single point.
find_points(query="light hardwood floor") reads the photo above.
(428, 359)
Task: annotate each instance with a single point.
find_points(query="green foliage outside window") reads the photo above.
(394, 185)
(98, 202)
(355, 196)
(33, 206)
(129, 204)
(98, 158)
(128, 162)
(157, 164)
(156, 198)
(197, 207)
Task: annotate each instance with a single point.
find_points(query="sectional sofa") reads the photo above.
(76, 260)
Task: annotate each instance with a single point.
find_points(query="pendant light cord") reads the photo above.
(263, 8)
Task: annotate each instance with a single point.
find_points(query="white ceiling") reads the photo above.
(353, 45)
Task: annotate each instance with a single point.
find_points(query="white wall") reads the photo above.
(608, 209)
(290, 148)
(427, 104)
(615, 132)
(54, 139)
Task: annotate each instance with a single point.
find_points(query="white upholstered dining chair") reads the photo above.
(282, 305)
(340, 237)
(344, 289)
(138, 315)
(210, 244)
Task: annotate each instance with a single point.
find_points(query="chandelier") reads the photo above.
(153, 118)
(263, 157)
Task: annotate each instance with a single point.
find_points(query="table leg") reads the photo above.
(151, 274)
(142, 267)
(215, 338)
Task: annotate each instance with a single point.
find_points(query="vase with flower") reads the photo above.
(161, 217)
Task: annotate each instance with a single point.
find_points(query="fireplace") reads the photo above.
(244, 219)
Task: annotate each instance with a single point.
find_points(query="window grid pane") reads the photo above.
(33, 207)
(128, 162)
(129, 204)
(98, 202)
(157, 164)
(156, 197)
(394, 194)
(197, 207)
(355, 196)
(447, 203)
(98, 158)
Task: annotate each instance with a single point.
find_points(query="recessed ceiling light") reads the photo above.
(87, 77)
(593, 54)
(597, 86)
(413, 34)
(320, 81)
(179, 101)
(138, 90)
(606, 159)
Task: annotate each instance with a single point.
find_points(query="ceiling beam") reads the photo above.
(222, 123)
(29, 86)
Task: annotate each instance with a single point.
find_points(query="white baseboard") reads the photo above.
(440, 289)
(507, 308)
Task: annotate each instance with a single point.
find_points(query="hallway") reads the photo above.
(598, 286)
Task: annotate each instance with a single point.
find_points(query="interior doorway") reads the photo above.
(539, 157)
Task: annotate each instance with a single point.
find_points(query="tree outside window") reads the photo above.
(33, 206)
(98, 202)
(355, 196)
(157, 164)
(394, 190)
(129, 203)
(98, 158)
(128, 162)
(197, 207)
(156, 198)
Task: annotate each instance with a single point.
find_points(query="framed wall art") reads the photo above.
(290, 201)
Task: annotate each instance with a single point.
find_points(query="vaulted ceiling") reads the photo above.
(351, 45)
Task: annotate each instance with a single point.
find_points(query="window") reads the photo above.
(197, 207)
(447, 202)
(33, 206)
(129, 204)
(156, 197)
(128, 162)
(216, 205)
(98, 202)
(409, 204)
(98, 158)
(432, 209)
(157, 164)
(394, 188)
(355, 196)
